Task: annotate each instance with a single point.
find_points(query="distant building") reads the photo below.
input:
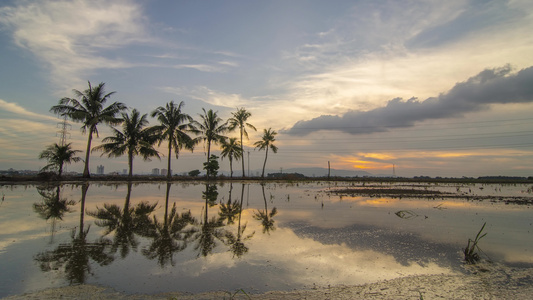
(100, 170)
(164, 172)
(124, 171)
(155, 171)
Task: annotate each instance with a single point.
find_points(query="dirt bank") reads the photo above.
(483, 283)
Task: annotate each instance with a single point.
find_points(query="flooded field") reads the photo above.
(193, 237)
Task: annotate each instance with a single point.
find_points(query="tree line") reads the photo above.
(135, 137)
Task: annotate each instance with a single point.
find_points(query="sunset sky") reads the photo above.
(436, 88)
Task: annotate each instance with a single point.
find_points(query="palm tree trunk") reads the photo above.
(169, 175)
(242, 153)
(264, 164)
(84, 189)
(130, 164)
(230, 168)
(88, 152)
(165, 220)
(208, 154)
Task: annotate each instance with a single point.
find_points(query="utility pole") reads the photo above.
(329, 169)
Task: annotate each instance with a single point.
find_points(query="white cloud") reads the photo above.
(12, 107)
(346, 71)
(70, 35)
(199, 67)
(210, 96)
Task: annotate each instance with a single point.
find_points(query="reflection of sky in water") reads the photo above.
(319, 238)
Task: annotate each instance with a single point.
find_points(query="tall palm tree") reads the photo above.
(228, 211)
(57, 156)
(236, 242)
(168, 237)
(265, 216)
(266, 142)
(134, 139)
(239, 120)
(174, 127)
(207, 232)
(211, 128)
(231, 149)
(52, 206)
(74, 257)
(90, 110)
(126, 222)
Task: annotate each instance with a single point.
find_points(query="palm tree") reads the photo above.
(265, 216)
(266, 142)
(52, 206)
(90, 111)
(173, 127)
(126, 222)
(57, 156)
(231, 149)
(239, 120)
(236, 242)
(228, 211)
(207, 232)
(74, 257)
(134, 140)
(168, 237)
(211, 129)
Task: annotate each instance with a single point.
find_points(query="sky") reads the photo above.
(433, 88)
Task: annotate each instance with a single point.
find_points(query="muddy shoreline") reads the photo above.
(52, 178)
(483, 282)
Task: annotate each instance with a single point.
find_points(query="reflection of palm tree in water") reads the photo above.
(230, 209)
(169, 236)
(209, 229)
(264, 216)
(52, 207)
(75, 256)
(236, 243)
(125, 222)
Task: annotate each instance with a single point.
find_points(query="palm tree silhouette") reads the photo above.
(211, 128)
(75, 256)
(168, 237)
(134, 139)
(266, 142)
(174, 125)
(126, 222)
(90, 111)
(239, 120)
(231, 149)
(57, 156)
(208, 230)
(230, 209)
(236, 242)
(264, 216)
(52, 207)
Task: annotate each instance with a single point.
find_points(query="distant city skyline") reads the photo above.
(433, 88)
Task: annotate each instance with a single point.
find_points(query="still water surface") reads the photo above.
(193, 237)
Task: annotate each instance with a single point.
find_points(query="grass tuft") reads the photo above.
(472, 248)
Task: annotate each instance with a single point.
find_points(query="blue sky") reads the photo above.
(437, 88)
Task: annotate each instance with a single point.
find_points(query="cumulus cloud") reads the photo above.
(491, 86)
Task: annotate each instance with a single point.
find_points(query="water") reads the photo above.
(286, 236)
